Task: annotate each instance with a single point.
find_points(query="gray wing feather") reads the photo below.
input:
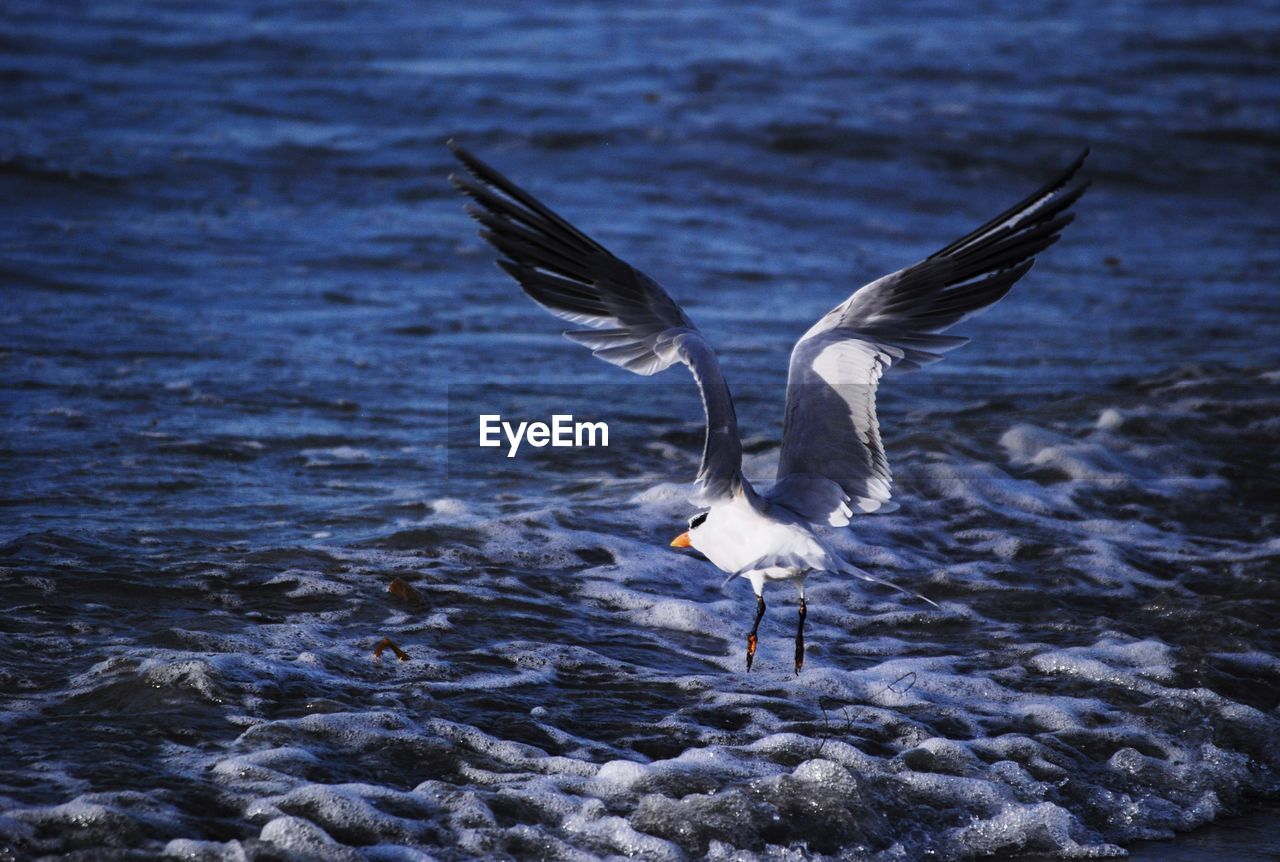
(634, 323)
(832, 460)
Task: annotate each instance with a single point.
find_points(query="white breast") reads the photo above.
(736, 535)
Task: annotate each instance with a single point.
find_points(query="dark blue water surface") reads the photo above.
(241, 310)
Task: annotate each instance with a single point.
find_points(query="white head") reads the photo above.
(690, 537)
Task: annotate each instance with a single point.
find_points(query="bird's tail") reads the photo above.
(851, 569)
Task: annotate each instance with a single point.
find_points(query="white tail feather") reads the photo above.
(857, 572)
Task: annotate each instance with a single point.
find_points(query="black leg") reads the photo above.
(751, 638)
(800, 637)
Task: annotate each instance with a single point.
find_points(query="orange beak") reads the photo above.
(681, 541)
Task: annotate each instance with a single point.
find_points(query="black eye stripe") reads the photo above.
(697, 520)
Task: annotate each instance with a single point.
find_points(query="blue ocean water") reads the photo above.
(245, 326)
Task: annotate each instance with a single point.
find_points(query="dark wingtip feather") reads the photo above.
(501, 196)
(1053, 186)
(464, 155)
(1078, 163)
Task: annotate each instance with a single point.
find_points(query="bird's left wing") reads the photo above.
(832, 461)
(633, 322)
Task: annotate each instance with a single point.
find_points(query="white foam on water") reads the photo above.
(577, 690)
(449, 507)
(190, 850)
(1043, 827)
(301, 836)
(1081, 461)
(347, 811)
(616, 835)
(305, 584)
(335, 455)
(985, 486)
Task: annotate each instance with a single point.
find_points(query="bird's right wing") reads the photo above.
(832, 461)
(633, 322)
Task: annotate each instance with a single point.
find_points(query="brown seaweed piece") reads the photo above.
(385, 644)
(405, 592)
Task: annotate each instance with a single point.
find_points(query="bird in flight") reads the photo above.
(832, 462)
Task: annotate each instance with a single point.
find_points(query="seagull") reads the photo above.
(832, 462)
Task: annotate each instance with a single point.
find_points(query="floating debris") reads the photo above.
(406, 593)
(388, 644)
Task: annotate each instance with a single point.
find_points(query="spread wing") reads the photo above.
(832, 461)
(632, 321)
